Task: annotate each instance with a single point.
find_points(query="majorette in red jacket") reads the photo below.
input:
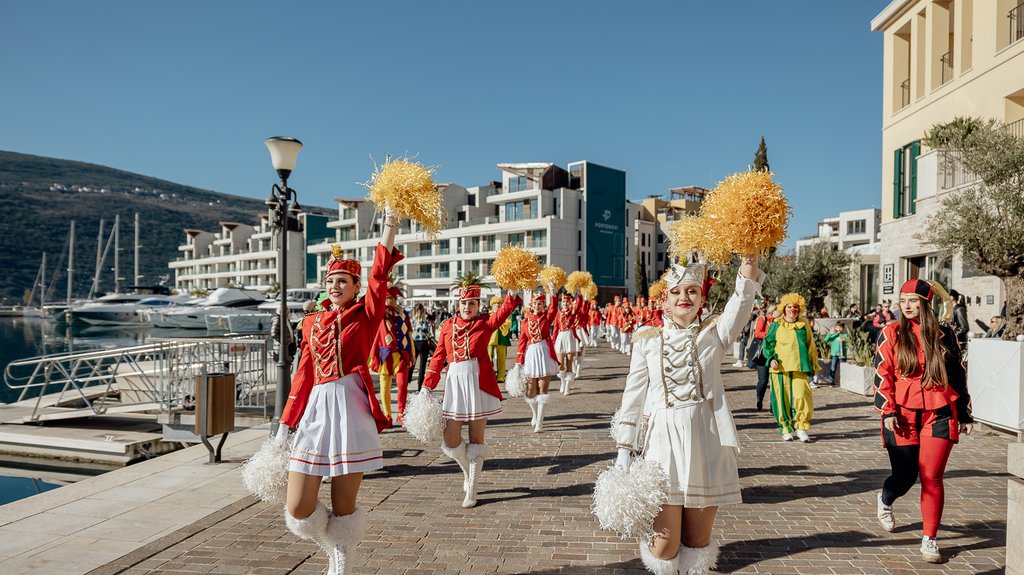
(462, 340)
(906, 390)
(336, 343)
(536, 328)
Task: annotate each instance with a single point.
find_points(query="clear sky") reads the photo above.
(676, 93)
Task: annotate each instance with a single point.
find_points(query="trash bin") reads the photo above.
(215, 409)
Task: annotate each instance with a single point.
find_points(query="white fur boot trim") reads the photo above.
(698, 560)
(458, 453)
(658, 566)
(569, 379)
(344, 532)
(542, 400)
(532, 402)
(477, 453)
(577, 364)
(313, 528)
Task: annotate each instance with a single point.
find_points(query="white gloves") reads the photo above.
(390, 219)
(623, 460)
(283, 433)
(425, 391)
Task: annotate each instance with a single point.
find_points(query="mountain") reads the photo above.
(42, 195)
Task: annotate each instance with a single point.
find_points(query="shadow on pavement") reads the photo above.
(528, 493)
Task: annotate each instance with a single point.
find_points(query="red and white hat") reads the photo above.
(469, 292)
(339, 265)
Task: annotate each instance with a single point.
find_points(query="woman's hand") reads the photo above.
(966, 428)
(890, 423)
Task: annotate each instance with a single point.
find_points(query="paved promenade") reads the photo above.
(809, 508)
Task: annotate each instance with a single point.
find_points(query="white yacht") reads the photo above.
(297, 297)
(222, 300)
(119, 309)
(240, 321)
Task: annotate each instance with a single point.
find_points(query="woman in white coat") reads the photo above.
(675, 384)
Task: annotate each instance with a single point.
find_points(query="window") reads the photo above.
(531, 210)
(348, 213)
(424, 271)
(579, 240)
(856, 227)
(474, 245)
(424, 249)
(518, 184)
(513, 211)
(538, 239)
(905, 180)
(517, 239)
(442, 270)
(471, 199)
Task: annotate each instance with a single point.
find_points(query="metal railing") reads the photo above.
(1016, 16)
(905, 93)
(159, 375)
(946, 62)
(1016, 128)
(952, 170)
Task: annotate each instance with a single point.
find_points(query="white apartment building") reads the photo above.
(649, 230)
(857, 232)
(242, 255)
(571, 218)
(941, 59)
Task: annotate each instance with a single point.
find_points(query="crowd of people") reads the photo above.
(673, 410)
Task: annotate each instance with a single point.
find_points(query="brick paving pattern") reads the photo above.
(809, 508)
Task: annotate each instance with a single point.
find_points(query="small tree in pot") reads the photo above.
(984, 223)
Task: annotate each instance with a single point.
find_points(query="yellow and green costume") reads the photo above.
(792, 345)
(497, 347)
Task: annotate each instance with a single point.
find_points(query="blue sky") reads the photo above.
(675, 93)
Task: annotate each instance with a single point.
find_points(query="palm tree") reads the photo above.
(468, 279)
(396, 281)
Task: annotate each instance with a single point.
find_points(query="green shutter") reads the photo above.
(915, 150)
(897, 188)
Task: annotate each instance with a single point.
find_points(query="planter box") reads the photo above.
(857, 379)
(995, 377)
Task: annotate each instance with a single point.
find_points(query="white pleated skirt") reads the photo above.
(566, 343)
(538, 362)
(337, 434)
(463, 398)
(701, 471)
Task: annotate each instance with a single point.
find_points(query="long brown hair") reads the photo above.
(934, 352)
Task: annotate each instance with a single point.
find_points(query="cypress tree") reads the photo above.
(761, 157)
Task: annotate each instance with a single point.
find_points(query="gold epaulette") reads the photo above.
(647, 332)
(710, 321)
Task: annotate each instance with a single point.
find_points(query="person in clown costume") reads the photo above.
(497, 348)
(471, 393)
(921, 394)
(535, 352)
(393, 353)
(675, 412)
(792, 358)
(567, 343)
(332, 405)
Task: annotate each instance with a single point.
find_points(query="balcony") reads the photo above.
(904, 93)
(1016, 17)
(946, 63)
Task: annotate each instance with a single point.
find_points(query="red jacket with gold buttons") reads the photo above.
(534, 329)
(336, 343)
(462, 340)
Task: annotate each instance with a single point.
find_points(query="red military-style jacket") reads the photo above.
(568, 318)
(612, 319)
(626, 319)
(893, 388)
(654, 319)
(595, 316)
(582, 309)
(462, 340)
(536, 328)
(336, 343)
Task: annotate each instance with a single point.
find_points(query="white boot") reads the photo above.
(477, 453)
(313, 528)
(577, 365)
(567, 385)
(532, 402)
(658, 566)
(344, 532)
(458, 453)
(698, 560)
(542, 400)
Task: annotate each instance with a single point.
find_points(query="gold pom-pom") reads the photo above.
(337, 253)
(577, 281)
(748, 211)
(700, 234)
(553, 277)
(408, 188)
(515, 269)
(589, 291)
(657, 289)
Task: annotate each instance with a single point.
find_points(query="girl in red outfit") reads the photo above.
(567, 343)
(535, 352)
(921, 392)
(333, 406)
(471, 391)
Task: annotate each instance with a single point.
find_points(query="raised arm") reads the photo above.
(494, 321)
(737, 309)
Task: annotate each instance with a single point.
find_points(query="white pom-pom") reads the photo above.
(627, 502)
(641, 433)
(265, 474)
(423, 419)
(515, 381)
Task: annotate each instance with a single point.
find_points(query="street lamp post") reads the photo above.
(283, 153)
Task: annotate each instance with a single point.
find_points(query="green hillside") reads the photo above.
(42, 195)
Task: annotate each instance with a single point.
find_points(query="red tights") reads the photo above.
(929, 460)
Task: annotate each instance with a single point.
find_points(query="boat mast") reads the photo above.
(42, 282)
(117, 252)
(71, 259)
(138, 278)
(99, 262)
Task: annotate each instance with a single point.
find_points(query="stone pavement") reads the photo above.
(809, 508)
